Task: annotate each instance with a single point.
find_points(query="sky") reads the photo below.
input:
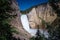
(25, 4)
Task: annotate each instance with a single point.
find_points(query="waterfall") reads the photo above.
(25, 23)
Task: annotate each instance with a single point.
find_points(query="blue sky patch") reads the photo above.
(25, 4)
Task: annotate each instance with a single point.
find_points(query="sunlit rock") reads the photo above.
(39, 13)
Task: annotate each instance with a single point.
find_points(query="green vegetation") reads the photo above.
(54, 31)
(5, 28)
(55, 6)
(39, 36)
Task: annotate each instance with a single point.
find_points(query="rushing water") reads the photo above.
(25, 23)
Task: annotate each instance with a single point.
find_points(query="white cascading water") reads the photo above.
(25, 23)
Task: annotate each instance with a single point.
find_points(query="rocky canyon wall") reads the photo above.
(39, 13)
(16, 22)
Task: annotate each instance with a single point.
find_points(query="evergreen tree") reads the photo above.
(54, 31)
(55, 6)
(39, 36)
(5, 27)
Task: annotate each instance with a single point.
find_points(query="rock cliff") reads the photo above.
(39, 13)
(35, 17)
(16, 22)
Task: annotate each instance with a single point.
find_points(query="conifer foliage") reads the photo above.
(5, 27)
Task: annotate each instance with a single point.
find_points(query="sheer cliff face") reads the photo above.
(46, 13)
(42, 12)
(16, 22)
